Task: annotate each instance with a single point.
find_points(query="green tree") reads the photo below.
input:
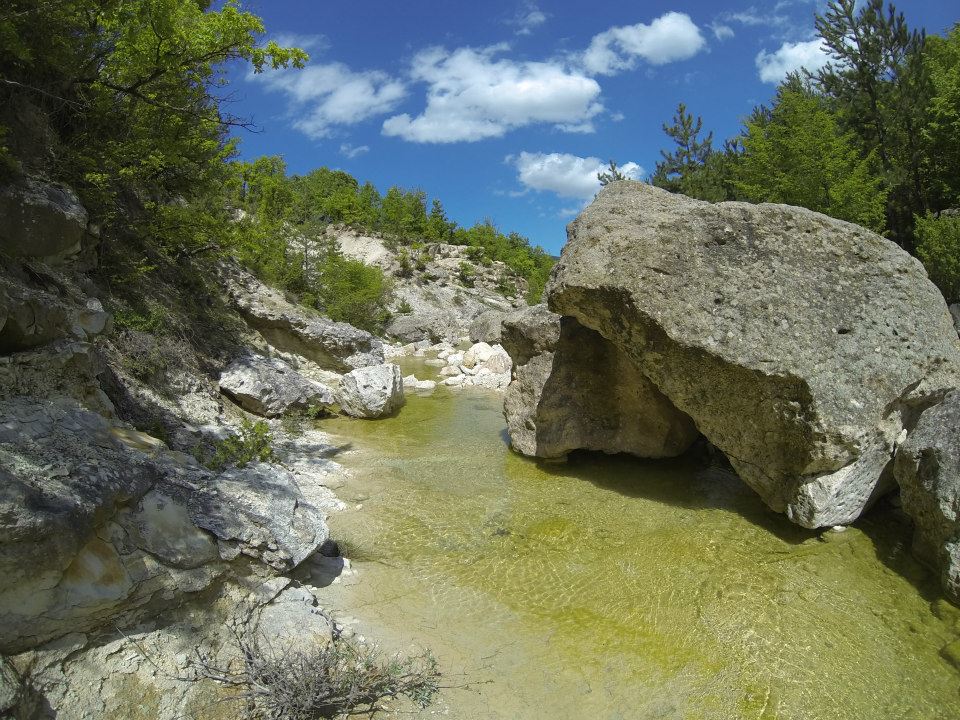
(693, 168)
(938, 247)
(133, 86)
(612, 174)
(438, 226)
(941, 132)
(796, 153)
(881, 87)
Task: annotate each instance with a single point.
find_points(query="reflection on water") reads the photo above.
(612, 587)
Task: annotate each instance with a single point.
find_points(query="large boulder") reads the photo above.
(269, 387)
(796, 342)
(486, 327)
(31, 317)
(41, 220)
(331, 345)
(928, 471)
(433, 325)
(371, 392)
(572, 389)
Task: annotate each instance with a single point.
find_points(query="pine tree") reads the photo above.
(881, 87)
(612, 174)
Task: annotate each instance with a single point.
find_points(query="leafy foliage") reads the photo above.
(307, 203)
(797, 154)
(938, 247)
(693, 168)
(130, 86)
(612, 174)
(252, 443)
(880, 84)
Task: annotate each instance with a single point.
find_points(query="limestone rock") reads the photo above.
(41, 220)
(98, 520)
(269, 387)
(477, 354)
(486, 327)
(9, 687)
(433, 324)
(582, 392)
(63, 369)
(292, 622)
(262, 508)
(796, 342)
(529, 332)
(928, 471)
(411, 382)
(955, 314)
(371, 392)
(31, 317)
(331, 345)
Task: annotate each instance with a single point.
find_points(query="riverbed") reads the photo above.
(613, 588)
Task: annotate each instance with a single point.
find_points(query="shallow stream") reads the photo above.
(616, 588)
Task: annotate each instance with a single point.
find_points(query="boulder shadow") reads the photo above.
(890, 531)
(692, 481)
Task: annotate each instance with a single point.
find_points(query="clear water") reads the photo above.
(612, 587)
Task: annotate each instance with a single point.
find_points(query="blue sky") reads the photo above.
(506, 108)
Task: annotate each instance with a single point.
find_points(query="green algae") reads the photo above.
(612, 587)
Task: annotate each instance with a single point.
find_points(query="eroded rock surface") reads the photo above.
(98, 520)
(572, 389)
(796, 342)
(928, 471)
(331, 345)
(269, 387)
(371, 392)
(486, 327)
(41, 220)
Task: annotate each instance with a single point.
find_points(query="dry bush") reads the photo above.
(343, 677)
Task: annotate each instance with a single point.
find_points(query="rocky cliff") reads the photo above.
(129, 513)
(439, 289)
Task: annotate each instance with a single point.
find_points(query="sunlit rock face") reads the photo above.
(928, 471)
(572, 389)
(800, 345)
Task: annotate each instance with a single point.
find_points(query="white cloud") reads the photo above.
(671, 37)
(568, 176)
(528, 18)
(350, 151)
(774, 67)
(473, 95)
(324, 96)
(754, 18)
(310, 43)
(721, 32)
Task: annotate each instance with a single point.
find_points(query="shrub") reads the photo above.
(349, 291)
(404, 308)
(467, 274)
(406, 266)
(253, 443)
(340, 678)
(506, 287)
(938, 247)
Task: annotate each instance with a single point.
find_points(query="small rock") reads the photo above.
(372, 392)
